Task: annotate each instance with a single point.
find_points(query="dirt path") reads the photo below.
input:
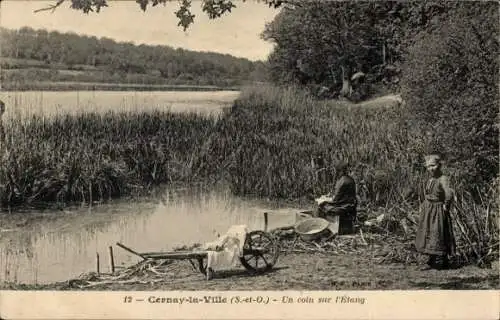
(387, 101)
(353, 271)
(390, 99)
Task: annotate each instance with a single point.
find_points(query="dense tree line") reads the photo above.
(325, 43)
(441, 56)
(450, 76)
(77, 52)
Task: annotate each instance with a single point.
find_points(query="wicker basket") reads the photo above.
(312, 229)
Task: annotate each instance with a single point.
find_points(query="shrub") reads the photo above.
(450, 84)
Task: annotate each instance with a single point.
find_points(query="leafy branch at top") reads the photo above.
(213, 8)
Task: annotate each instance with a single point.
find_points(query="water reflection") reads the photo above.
(56, 246)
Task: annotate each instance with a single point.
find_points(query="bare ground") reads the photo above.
(309, 271)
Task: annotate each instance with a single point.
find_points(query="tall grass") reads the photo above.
(282, 143)
(95, 156)
(272, 139)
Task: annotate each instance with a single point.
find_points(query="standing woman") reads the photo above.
(435, 234)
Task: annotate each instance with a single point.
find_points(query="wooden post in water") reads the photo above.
(2, 132)
(97, 263)
(111, 260)
(265, 221)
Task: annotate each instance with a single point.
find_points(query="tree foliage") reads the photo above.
(315, 41)
(325, 43)
(212, 8)
(445, 55)
(450, 83)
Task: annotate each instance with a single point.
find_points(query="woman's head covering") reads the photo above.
(432, 160)
(341, 166)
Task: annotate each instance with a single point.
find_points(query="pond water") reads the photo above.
(49, 103)
(50, 246)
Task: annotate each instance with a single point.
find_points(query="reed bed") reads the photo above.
(282, 143)
(92, 156)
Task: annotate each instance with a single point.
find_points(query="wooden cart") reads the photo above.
(260, 254)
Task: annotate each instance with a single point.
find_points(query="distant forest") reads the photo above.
(39, 55)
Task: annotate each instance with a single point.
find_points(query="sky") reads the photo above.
(237, 33)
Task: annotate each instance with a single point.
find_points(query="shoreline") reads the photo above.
(96, 86)
(358, 270)
(356, 262)
(145, 193)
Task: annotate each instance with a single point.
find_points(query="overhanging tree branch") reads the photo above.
(52, 7)
(213, 8)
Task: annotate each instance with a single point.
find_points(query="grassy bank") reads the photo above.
(281, 143)
(26, 73)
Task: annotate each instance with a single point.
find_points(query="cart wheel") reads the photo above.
(202, 265)
(260, 252)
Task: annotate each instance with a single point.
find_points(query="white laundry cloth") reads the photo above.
(323, 199)
(225, 252)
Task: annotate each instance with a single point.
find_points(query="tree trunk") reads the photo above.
(383, 53)
(346, 83)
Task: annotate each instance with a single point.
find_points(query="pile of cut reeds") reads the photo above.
(145, 272)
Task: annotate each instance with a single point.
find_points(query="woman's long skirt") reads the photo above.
(347, 216)
(435, 232)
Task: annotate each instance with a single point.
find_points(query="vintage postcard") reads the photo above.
(227, 159)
